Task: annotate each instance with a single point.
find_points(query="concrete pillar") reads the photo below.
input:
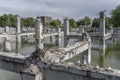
(102, 23)
(86, 55)
(6, 29)
(38, 34)
(85, 37)
(52, 39)
(102, 48)
(101, 59)
(83, 30)
(66, 31)
(18, 28)
(111, 30)
(102, 45)
(6, 45)
(18, 43)
(59, 37)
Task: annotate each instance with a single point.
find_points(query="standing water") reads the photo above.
(105, 53)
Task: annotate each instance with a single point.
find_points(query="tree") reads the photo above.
(72, 23)
(116, 16)
(10, 20)
(108, 22)
(23, 24)
(87, 20)
(55, 23)
(29, 22)
(95, 22)
(80, 22)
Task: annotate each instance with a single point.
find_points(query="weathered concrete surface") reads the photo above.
(64, 54)
(106, 36)
(102, 23)
(38, 34)
(18, 26)
(66, 31)
(6, 29)
(31, 73)
(71, 71)
(37, 69)
(6, 45)
(75, 34)
(11, 62)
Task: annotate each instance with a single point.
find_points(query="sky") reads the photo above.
(57, 8)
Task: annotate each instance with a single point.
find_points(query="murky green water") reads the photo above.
(104, 53)
(108, 57)
(6, 75)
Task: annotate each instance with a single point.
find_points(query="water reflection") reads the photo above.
(6, 44)
(102, 52)
(6, 75)
(18, 44)
(104, 55)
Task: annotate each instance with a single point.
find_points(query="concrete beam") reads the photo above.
(71, 71)
(11, 62)
(33, 72)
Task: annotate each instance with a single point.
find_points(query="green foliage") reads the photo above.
(10, 20)
(85, 21)
(55, 23)
(27, 22)
(108, 22)
(7, 20)
(80, 22)
(72, 23)
(116, 16)
(96, 21)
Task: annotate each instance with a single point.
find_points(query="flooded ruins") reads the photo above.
(59, 53)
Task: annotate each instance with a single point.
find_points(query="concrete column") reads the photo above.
(18, 43)
(18, 28)
(6, 29)
(102, 45)
(83, 30)
(102, 23)
(85, 37)
(86, 55)
(66, 31)
(38, 34)
(52, 39)
(59, 37)
(111, 30)
(101, 60)
(6, 45)
(102, 53)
